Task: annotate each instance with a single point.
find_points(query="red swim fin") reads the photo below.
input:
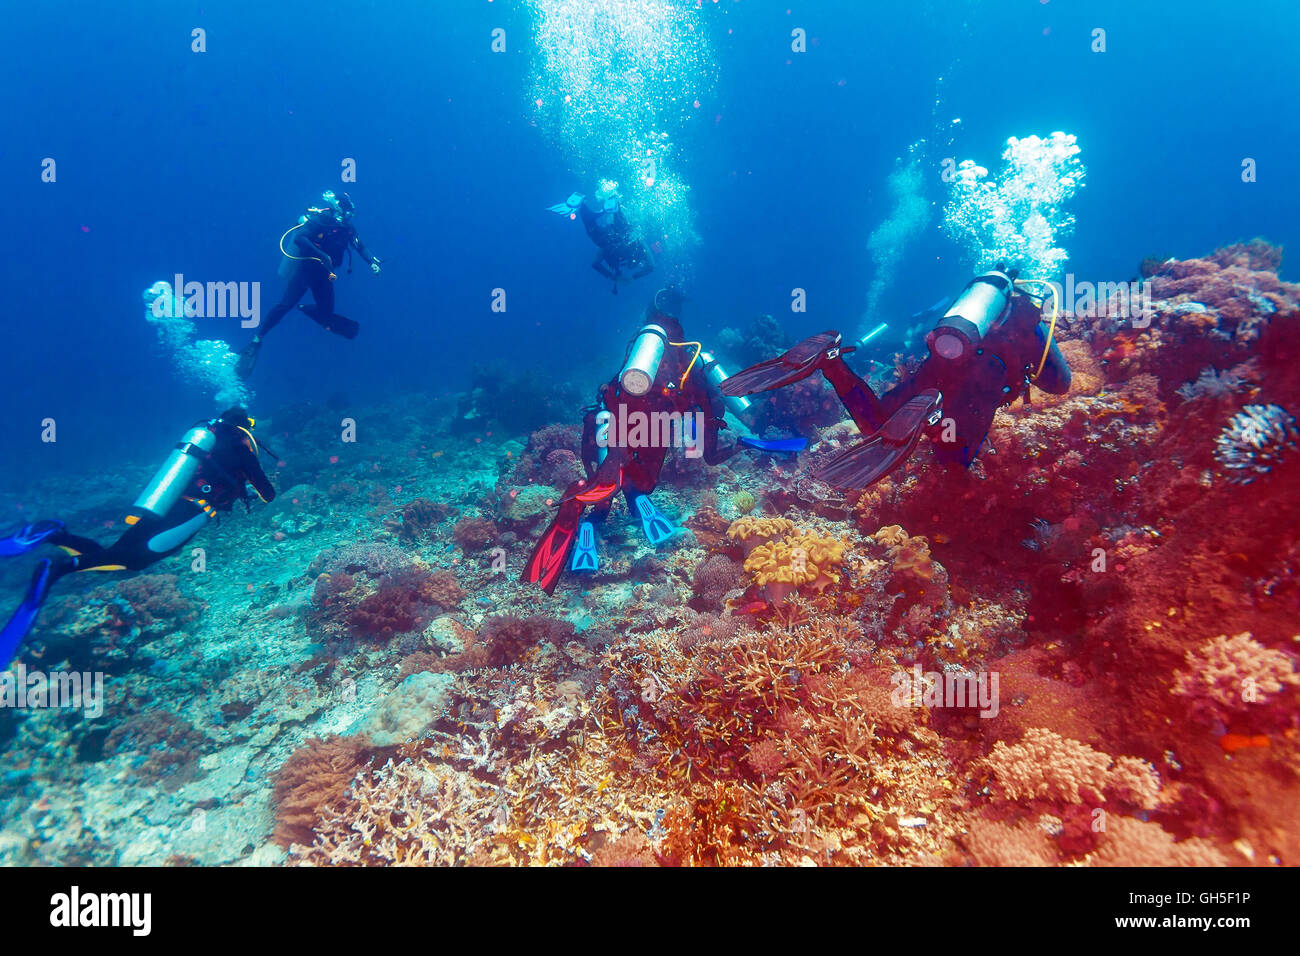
(551, 554)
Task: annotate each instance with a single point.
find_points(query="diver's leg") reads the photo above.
(599, 265)
(148, 541)
(294, 289)
(323, 314)
(76, 545)
(868, 412)
(550, 556)
(714, 452)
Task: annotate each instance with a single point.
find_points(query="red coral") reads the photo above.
(474, 534)
(315, 776)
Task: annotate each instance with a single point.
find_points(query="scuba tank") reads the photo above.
(738, 403)
(642, 365)
(175, 475)
(984, 302)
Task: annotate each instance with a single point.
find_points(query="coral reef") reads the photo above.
(1080, 651)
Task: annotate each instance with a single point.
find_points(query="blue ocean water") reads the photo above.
(174, 161)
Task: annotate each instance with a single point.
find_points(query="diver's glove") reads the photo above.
(568, 207)
(374, 266)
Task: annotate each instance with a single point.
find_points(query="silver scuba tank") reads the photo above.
(737, 403)
(981, 305)
(176, 473)
(638, 374)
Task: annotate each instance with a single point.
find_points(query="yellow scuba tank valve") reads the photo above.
(175, 475)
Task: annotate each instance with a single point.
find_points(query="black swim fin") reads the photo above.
(797, 363)
(16, 631)
(338, 324)
(868, 462)
(247, 359)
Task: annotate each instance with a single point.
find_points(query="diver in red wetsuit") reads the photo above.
(662, 376)
(986, 351)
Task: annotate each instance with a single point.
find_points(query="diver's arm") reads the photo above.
(360, 246)
(312, 251)
(599, 265)
(1055, 376)
(252, 471)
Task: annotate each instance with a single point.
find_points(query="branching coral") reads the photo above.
(1227, 674)
(315, 776)
(1047, 766)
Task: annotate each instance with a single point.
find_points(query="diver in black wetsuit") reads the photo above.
(607, 226)
(206, 473)
(986, 351)
(320, 239)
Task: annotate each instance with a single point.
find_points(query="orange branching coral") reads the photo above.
(315, 776)
(1045, 765)
(1234, 672)
(1130, 842)
(992, 843)
(789, 753)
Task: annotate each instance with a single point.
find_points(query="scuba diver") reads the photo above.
(320, 239)
(205, 473)
(607, 226)
(664, 379)
(986, 351)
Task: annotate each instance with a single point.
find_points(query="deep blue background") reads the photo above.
(174, 161)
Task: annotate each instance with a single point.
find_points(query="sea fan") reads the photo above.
(1214, 383)
(1254, 440)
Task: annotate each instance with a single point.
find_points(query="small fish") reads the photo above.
(1234, 742)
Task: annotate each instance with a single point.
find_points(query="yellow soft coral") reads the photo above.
(798, 558)
(751, 526)
(890, 536)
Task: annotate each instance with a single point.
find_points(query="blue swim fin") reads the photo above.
(787, 446)
(658, 529)
(585, 557)
(15, 632)
(28, 537)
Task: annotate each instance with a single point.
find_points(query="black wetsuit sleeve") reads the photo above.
(311, 250)
(362, 251)
(251, 469)
(1055, 377)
